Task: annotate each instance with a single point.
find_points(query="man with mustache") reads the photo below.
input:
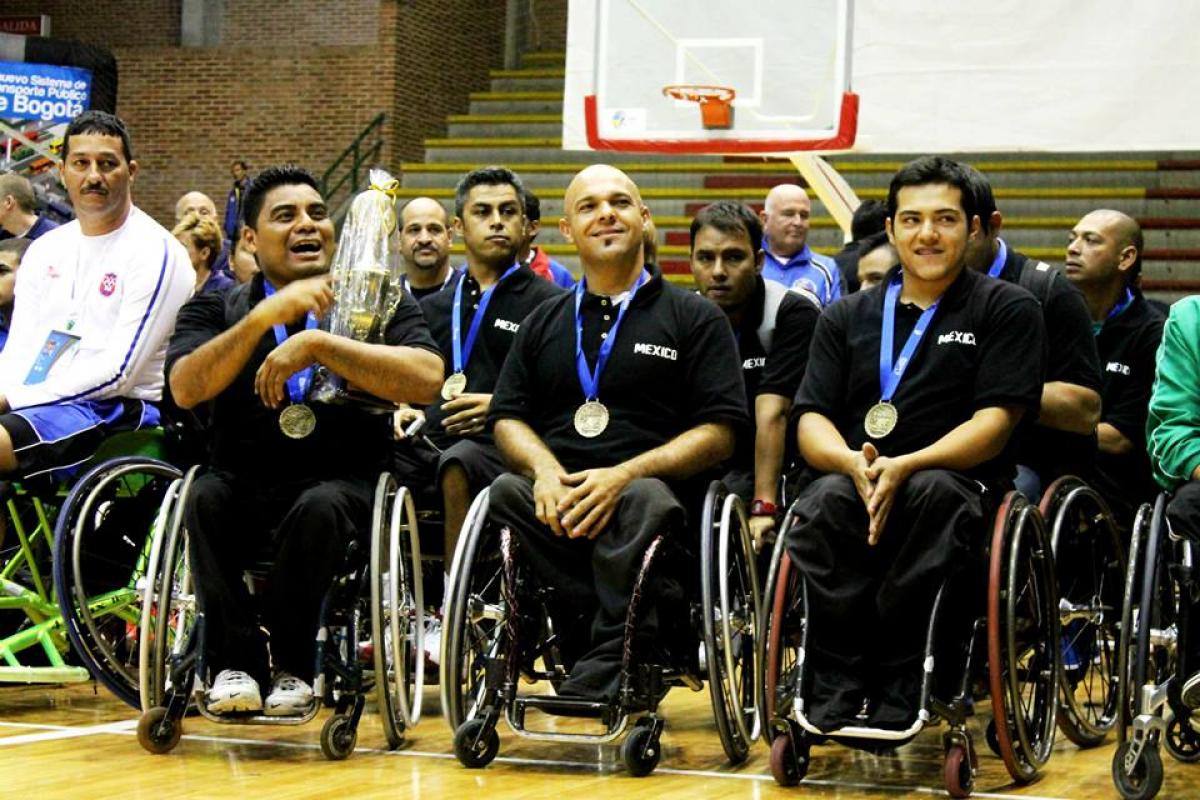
(474, 321)
(425, 247)
(285, 476)
(96, 302)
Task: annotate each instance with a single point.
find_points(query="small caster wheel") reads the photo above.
(472, 750)
(993, 741)
(1147, 775)
(787, 767)
(959, 779)
(157, 732)
(1183, 742)
(640, 751)
(338, 737)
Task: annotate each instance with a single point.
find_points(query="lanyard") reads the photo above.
(298, 383)
(889, 376)
(589, 381)
(462, 350)
(1001, 256)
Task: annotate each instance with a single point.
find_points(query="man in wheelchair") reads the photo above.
(286, 479)
(912, 392)
(773, 327)
(611, 399)
(1173, 442)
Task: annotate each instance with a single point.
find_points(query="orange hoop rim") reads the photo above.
(700, 93)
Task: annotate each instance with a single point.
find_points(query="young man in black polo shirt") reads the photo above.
(912, 391)
(1104, 261)
(773, 328)
(489, 300)
(287, 477)
(612, 398)
(1062, 438)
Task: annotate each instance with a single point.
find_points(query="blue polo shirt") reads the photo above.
(806, 272)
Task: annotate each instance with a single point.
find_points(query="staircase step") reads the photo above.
(527, 73)
(544, 58)
(526, 85)
(472, 129)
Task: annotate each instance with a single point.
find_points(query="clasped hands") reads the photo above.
(578, 504)
(877, 479)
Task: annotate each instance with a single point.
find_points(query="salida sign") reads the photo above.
(43, 91)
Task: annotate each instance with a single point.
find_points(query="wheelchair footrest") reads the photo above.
(44, 675)
(563, 706)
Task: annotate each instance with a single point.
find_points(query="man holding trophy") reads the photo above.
(291, 469)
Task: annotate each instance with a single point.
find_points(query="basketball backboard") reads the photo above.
(784, 95)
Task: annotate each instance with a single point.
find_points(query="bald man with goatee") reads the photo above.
(611, 402)
(786, 217)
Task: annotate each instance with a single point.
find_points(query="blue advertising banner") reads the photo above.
(43, 92)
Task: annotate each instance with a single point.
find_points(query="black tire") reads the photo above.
(729, 593)
(784, 658)
(1090, 566)
(473, 625)
(641, 751)
(101, 537)
(1147, 775)
(1183, 741)
(989, 736)
(1127, 647)
(338, 737)
(157, 733)
(471, 753)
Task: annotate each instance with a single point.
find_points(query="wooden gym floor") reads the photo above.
(79, 742)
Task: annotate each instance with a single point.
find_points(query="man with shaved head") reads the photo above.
(425, 246)
(195, 202)
(1104, 260)
(789, 260)
(612, 400)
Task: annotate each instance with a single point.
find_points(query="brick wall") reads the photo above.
(291, 81)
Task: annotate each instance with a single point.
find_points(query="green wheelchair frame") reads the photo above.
(57, 616)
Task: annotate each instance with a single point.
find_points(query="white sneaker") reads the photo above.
(289, 697)
(433, 639)
(234, 691)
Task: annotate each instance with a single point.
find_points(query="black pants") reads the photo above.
(419, 466)
(869, 606)
(594, 578)
(1184, 514)
(304, 529)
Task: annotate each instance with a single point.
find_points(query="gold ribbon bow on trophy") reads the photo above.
(391, 190)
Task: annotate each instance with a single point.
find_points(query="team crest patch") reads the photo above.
(108, 284)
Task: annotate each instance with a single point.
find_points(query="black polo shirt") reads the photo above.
(674, 366)
(1071, 358)
(244, 434)
(511, 302)
(982, 349)
(780, 370)
(1128, 344)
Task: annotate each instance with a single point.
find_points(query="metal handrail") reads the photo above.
(359, 156)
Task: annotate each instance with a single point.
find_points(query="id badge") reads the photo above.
(58, 343)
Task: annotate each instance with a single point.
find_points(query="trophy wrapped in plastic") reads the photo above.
(366, 281)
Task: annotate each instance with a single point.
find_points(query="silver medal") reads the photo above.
(881, 419)
(297, 421)
(591, 419)
(455, 385)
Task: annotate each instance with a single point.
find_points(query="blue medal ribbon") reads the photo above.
(462, 350)
(589, 380)
(1001, 256)
(889, 375)
(298, 383)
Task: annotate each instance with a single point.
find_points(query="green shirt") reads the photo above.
(1173, 426)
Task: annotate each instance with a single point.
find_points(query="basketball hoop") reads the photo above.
(715, 108)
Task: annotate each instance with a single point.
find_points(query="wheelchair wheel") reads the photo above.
(771, 641)
(169, 600)
(786, 621)
(102, 543)
(1023, 637)
(1089, 563)
(1126, 646)
(729, 592)
(473, 624)
(397, 609)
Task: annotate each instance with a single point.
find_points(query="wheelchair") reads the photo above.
(1160, 587)
(1007, 640)
(369, 639)
(1090, 564)
(498, 631)
(94, 554)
